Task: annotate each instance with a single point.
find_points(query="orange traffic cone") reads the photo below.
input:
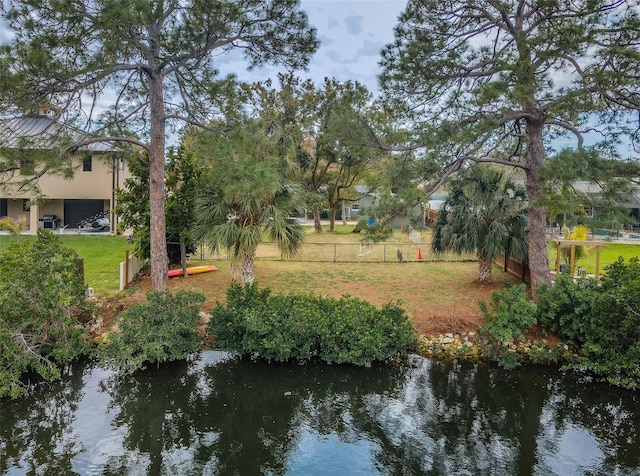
(419, 254)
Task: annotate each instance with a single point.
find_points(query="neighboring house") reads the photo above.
(630, 201)
(59, 201)
(367, 198)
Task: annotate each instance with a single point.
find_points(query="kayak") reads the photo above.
(192, 270)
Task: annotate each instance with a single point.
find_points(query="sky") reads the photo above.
(351, 34)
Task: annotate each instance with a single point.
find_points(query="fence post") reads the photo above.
(335, 252)
(126, 269)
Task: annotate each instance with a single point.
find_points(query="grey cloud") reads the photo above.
(333, 55)
(325, 40)
(332, 22)
(370, 48)
(354, 24)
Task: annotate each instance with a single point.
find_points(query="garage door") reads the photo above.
(75, 211)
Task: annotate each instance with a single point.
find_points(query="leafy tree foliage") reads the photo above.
(182, 178)
(489, 81)
(484, 213)
(42, 308)
(161, 330)
(610, 182)
(328, 131)
(246, 192)
(343, 143)
(155, 58)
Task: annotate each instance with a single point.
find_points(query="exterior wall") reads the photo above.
(97, 184)
(15, 209)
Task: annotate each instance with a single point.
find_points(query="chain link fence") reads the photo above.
(347, 253)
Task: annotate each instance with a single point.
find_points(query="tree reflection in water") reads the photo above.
(219, 415)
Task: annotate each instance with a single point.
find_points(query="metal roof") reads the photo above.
(34, 131)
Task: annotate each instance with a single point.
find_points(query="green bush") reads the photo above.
(161, 330)
(612, 346)
(506, 321)
(566, 308)
(602, 320)
(42, 306)
(303, 327)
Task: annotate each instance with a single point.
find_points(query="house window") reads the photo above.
(355, 206)
(26, 204)
(588, 211)
(86, 163)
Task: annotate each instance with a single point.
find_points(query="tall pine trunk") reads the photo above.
(157, 198)
(536, 215)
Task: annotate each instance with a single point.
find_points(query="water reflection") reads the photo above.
(219, 415)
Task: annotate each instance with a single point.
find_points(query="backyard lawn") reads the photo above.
(440, 296)
(101, 254)
(609, 253)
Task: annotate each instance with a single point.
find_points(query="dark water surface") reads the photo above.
(221, 416)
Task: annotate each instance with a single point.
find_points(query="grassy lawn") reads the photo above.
(101, 254)
(609, 253)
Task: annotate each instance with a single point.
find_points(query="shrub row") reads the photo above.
(304, 326)
(600, 320)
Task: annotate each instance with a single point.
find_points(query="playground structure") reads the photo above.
(572, 260)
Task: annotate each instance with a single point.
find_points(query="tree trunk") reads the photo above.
(248, 271)
(183, 259)
(536, 216)
(332, 217)
(157, 198)
(317, 226)
(484, 270)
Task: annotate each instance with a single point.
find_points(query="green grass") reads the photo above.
(101, 254)
(609, 254)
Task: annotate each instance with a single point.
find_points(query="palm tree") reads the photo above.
(246, 196)
(484, 212)
(13, 226)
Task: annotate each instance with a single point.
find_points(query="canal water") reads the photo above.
(218, 415)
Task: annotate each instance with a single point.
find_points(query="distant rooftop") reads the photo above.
(38, 131)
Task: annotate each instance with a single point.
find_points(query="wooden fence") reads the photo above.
(129, 268)
(515, 268)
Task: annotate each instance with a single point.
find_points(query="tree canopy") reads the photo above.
(327, 128)
(489, 81)
(148, 62)
(246, 191)
(483, 213)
